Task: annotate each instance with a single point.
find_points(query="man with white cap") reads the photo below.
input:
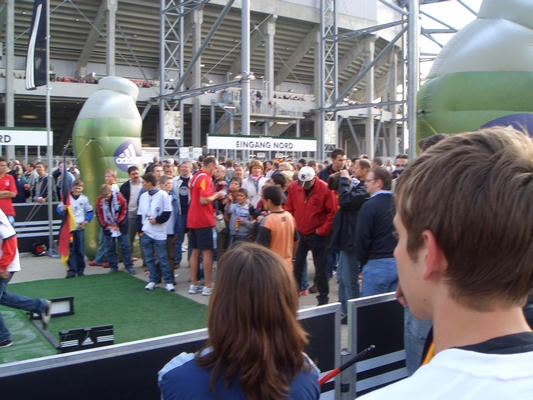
(312, 205)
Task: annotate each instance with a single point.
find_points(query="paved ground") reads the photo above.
(45, 267)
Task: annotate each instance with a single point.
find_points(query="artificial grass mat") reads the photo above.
(118, 299)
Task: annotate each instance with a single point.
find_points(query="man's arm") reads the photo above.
(363, 235)
(352, 199)
(9, 252)
(215, 196)
(12, 189)
(7, 194)
(264, 235)
(331, 210)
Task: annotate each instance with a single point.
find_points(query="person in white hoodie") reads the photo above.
(9, 264)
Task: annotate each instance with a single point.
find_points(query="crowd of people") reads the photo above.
(384, 227)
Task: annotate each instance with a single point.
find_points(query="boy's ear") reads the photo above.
(434, 260)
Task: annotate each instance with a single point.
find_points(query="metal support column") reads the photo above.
(328, 56)
(392, 143)
(413, 83)
(10, 66)
(245, 67)
(197, 78)
(369, 123)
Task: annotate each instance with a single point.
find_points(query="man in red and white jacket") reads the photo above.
(9, 264)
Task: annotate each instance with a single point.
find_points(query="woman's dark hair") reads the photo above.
(253, 331)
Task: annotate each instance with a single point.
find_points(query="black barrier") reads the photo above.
(32, 224)
(129, 370)
(377, 320)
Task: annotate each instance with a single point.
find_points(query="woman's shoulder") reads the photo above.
(305, 384)
(180, 375)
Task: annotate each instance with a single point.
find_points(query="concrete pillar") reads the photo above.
(269, 32)
(369, 123)
(110, 43)
(197, 79)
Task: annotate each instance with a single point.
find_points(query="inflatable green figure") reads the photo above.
(107, 134)
(484, 75)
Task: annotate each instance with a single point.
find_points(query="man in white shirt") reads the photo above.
(463, 217)
(9, 264)
(152, 215)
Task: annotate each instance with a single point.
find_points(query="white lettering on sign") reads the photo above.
(251, 144)
(260, 143)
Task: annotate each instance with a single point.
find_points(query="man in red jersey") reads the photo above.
(200, 221)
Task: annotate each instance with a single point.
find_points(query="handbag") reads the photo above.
(220, 224)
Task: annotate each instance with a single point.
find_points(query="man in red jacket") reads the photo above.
(311, 203)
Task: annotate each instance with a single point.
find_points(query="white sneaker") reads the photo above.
(150, 286)
(207, 291)
(169, 287)
(193, 289)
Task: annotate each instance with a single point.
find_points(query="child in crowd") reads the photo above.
(173, 223)
(112, 213)
(110, 178)
(83, 214)
(240, 224)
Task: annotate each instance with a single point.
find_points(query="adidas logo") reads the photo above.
(128, 156)
(87, 342)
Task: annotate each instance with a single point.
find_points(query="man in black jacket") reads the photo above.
(352, 195)
(374, 237)
(338, 161)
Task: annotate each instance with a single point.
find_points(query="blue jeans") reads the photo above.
(181, 238)
(333, 258)
(148, 244)
(76, 260)
(348, 276)
(379, 276)
(102, 249)
(111, 249)
(415, 333)
(13, 300)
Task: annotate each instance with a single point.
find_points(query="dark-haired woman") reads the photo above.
(255, 345)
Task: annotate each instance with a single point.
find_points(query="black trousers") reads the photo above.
(318, 246)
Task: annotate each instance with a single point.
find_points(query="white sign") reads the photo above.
(190, 153)
(172, 125)
(24, 137)
(330, 132)
(234, 142)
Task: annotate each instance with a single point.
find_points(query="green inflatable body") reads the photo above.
(107, 134)
(485, 73)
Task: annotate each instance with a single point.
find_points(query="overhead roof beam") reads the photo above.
(255, 41)
(363, 72)
(351, 55)
(210, 34)
(312, 38)
(382, 61)
(92, 38)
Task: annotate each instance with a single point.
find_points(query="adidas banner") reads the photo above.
(36, 57)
